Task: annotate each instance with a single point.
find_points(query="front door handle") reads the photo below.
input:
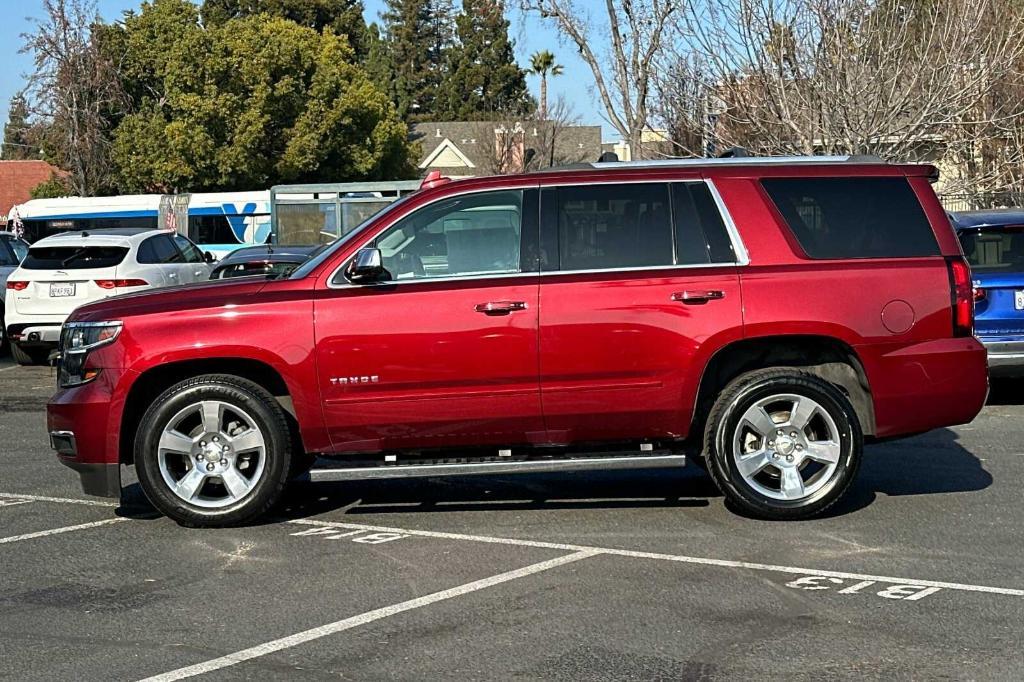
(499, 307)
(697, 297)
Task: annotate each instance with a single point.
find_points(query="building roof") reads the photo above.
(18, 179)
(461, 148)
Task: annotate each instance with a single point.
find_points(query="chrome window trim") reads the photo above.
(739, 249)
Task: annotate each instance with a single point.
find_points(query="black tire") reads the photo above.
(30, 355)
(726, 415)
(269, 418)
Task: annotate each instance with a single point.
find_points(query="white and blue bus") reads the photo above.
(219, 222)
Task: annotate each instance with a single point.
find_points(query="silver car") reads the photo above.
(12, 252)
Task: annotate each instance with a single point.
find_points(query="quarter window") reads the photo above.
(476, 234)
(613, 226)
(853, 217)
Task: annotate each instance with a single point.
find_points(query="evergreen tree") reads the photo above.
(344, 17)
(16, 132)
(250, 102)
(408, 29)
(378, 63)
(483, 77)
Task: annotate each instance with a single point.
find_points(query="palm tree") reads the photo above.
(543, 63)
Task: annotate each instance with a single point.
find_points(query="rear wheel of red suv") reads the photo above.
(213, 451)
(783, 443)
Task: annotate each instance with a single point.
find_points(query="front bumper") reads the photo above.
(1005, 358)
(101, 480)
(84, 428)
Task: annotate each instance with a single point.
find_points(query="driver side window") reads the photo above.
(476, 234)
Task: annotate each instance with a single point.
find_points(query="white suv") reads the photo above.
(65, 271)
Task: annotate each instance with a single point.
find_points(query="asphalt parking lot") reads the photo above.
(575, 576)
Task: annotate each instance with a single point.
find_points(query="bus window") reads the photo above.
(211, 229)
(228, 228)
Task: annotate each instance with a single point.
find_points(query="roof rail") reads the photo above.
(738, 160)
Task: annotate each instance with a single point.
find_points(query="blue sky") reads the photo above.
(530, 34)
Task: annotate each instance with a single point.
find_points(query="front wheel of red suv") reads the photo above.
(213, 451)
(783, 443)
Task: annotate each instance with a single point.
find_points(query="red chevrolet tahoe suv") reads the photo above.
(763, 315)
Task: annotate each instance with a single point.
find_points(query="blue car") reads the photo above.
(993, 242)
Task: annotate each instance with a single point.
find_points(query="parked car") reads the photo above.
(65, 271)
(12, 252)
(767, 315)
(269, 260)
(993, 242)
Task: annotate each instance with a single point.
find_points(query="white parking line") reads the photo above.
(4, 369)
(368, 617)
(58, 531)
(722, 563)
(63, 500)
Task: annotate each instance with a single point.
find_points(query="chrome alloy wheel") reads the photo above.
(211, 454)
(787, 447)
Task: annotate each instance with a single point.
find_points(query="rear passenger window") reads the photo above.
(614, 226)
(701, 236)
(853, 217)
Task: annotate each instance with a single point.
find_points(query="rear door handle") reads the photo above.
(697, 297)
(499, 307)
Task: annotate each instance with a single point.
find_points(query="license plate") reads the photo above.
(59, 290)
(1018, 299)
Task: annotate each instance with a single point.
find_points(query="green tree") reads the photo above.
(344, 17)
(247, 103)
(408, 33)
(543, 64)
(17, 132)
(57, 186)
(483, 77)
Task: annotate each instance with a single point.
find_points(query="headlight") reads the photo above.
(77, 340)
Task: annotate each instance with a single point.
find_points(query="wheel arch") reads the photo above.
(828, 357)
(155, 380)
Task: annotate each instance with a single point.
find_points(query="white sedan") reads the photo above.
(68, 270)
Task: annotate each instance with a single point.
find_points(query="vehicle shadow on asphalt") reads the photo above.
(930, 464)
(1006, 392)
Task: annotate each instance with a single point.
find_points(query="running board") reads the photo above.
(512, 467)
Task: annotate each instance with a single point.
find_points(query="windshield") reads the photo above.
(994, 249)
(326, 251)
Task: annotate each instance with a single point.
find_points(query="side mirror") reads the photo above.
(209, 257)
(366, 267)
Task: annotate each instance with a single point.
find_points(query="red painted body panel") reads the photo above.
(592, 357)
(414, 364)
(620, 359)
